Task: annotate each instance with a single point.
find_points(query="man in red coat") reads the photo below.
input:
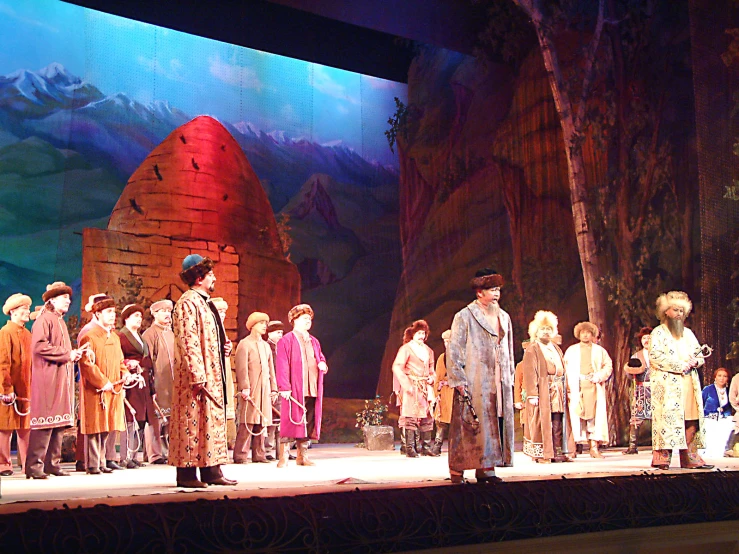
(300, 367)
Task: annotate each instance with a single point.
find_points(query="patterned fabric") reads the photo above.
(198, 427)
(667, 358)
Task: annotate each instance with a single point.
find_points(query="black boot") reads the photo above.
(632, 440)
(402, 442)
(426, 442)
(410, 443)
(438, 440)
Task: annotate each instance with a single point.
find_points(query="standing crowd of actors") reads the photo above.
(561, 396)
(169, 387)
(172, 384)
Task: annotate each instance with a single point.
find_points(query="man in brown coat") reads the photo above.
(102, 376)
(15, 379)
(255, 380)
(52, 383)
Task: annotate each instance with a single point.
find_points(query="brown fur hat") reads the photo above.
(131, 309)
(103, 303)
(643, 332)
(194, 267)
(673, 298)
(486, 278)
(275, 325)
(586, 325)
(541, 319)
(254, 318)
(16, 301)
(56, 289)
(296, 311)
(418, 325)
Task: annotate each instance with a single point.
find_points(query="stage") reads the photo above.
(354, 500)
(339, 468)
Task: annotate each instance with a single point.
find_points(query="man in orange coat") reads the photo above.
(101, 369)
(15, 379)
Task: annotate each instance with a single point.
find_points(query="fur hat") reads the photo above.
(36, 312)
(219, 303)
(486, 278)
(164, 304)
(275, 325)
(16, 301)
(586, 326)
(91, 300)
(673, 298)
(131, 309)
(299, 310)
(194, 266)
(254, 318)
(103, 302)
(643, 332)
(56, 289)
(542, 318)
(446, 335)
(416, 326)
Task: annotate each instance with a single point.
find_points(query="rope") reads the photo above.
(264, 427)
(5, 399)
(17, 411)
(131, 453)
(303, 419)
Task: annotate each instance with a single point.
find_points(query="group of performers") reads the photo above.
(173, 381)
(561, 396)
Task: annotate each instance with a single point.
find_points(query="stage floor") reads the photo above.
(339, 467)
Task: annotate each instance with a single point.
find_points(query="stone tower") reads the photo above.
(195, 193)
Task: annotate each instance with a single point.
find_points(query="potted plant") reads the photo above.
(376, 435)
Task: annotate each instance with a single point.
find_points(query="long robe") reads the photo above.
(472, 356)
(140, 398)
(160, 342)
(255, 371)
(668, 407)
(289, 373)
(445, 394)
(198, 427)
(536, 383)
(15, 374)
(519, 396)
(416, 399)
(602, 369)
(95, 374)
(52, 373)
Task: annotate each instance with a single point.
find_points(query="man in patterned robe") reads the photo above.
(677, 403)
(198, 433)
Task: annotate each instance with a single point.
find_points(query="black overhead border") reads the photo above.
(390, 520)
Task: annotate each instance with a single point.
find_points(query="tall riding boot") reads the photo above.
(438, 439)
(594, 452)
(303, 453)
(402, 442)
(410, 443)
(283, 450)
(258, 455)
(633, 430)
(426, 444)
(557, 437)
(729, 449)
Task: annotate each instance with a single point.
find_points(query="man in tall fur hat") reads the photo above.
(159, 339)
(677, 403)
(588, 367)
(101, 403)
(52, 383)
(480, 368)
(257, 386)
(637, 369)
(15, 379)
(413, 370)
(300, 367)
(198, 434)
(545, 381)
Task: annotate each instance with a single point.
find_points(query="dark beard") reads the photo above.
(676, 327)
(212, 288)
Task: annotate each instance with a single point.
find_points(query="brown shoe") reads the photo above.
(282, 454)
(222, 481)
(303, 453)
(192, 484)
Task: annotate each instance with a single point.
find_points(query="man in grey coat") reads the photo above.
(481, 369)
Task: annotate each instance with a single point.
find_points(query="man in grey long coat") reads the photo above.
(481, 369)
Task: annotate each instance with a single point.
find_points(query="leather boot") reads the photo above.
(282, 454)
(303, 453)
(402, 442)
(557, 436)
(426, 444)
(410, 443)
(258, 455)
(438, 440)
(729, 449)
(689, 458)
(632, 440)
(594, 452)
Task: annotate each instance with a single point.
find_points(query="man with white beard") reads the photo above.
(677, 404)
